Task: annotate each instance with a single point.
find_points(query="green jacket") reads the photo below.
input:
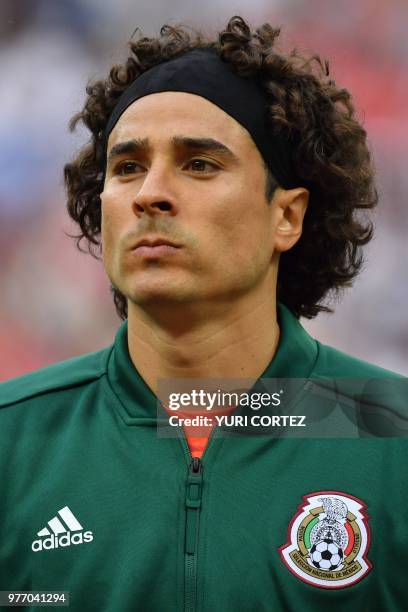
(94, 502)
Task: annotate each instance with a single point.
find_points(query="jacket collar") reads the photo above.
(295, 358)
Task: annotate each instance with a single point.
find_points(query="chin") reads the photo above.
(155, 294)
(153, 298)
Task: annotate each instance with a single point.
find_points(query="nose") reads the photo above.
(154, 196)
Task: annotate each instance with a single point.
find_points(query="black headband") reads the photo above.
(202, 72)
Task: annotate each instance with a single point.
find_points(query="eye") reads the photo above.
(201, 165)
(125, 168)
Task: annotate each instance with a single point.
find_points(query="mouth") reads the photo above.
(155, 242)
(153, 248)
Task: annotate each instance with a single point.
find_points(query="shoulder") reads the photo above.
(378, 397)
(68, 374)
(334, 363)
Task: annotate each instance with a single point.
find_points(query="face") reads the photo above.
(184, 212)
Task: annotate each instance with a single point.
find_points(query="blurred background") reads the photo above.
(55, 301)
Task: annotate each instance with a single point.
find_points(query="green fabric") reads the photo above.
(82, 434)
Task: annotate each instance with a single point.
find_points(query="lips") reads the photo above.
(155, 242)
(154, 248)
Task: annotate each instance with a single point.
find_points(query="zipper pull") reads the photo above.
(193, 503)
(196, 465)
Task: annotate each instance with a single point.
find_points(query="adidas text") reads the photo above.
(66, 539)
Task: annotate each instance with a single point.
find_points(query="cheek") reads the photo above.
(114, 210)
(242, 225)
(106, 230)
(110, 226)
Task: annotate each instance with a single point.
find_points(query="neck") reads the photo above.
(205, 341)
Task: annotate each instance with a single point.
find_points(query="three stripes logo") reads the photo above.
(63, 530)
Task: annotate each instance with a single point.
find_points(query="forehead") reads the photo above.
(163, 115)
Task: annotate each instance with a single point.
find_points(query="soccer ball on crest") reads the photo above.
(326, 555)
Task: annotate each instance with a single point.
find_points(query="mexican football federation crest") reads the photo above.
(328, 540)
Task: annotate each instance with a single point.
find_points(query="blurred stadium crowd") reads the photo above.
(55, 302)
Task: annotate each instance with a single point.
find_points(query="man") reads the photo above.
(221, 179)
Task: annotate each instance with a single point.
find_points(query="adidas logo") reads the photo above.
(61, 534)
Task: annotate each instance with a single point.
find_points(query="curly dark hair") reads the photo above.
(330, 154)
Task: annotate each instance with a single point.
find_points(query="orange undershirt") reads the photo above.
(198, 435)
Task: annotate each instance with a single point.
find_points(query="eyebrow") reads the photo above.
(138, 145)
(204, 144)
(129, 147)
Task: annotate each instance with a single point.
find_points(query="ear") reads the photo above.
(290, 208)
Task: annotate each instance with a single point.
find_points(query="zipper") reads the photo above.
(193, 498)
(193, 504)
